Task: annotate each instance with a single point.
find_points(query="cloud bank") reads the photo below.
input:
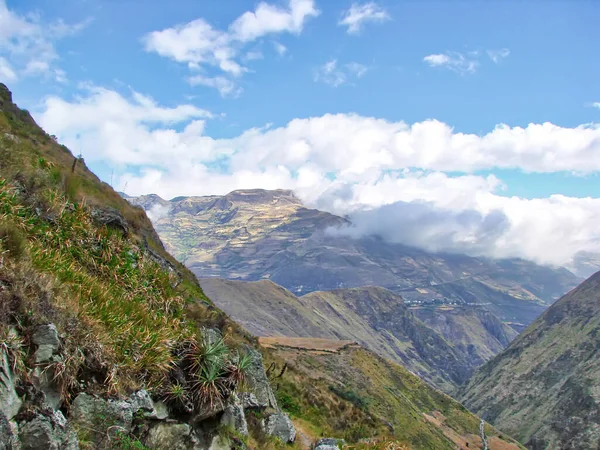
(411, 183)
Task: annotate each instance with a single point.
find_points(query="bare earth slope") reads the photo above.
(257, 234)
(544, 389)
(444, 352)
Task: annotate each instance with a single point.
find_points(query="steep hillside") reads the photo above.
(257, 234)
(445, 351)
(544, 389)
(412, 411)
(473, 330)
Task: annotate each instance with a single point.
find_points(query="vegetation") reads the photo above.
(129, 314)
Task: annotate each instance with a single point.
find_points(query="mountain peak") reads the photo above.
(258, 196)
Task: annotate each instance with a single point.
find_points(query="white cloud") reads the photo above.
(335, 75)
(596, 104)
(350, 164)
(268, 19)
(201, 46)
(253, 56)
(455, 61)
(28, 43)
(358, 15)
(225, 86)
(280, 48)
(498, 55)
(6, 71)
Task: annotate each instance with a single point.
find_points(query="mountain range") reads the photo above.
(444, 351)
(258, 234)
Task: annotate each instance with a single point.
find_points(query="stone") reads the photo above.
(141, 401)
(257, 381)
(102, 418)
(249, 400)
(329, 444)
(171, 436)
(280, 426)
(221, 443)
(50, 433)
(211, 335)
(161, 411)
(110, 218)
(10, 403)
(8, 434)
(48, 342)
(46, 335)
(234, 416)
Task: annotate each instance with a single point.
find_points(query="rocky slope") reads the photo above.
(257, 234)
(412, 411)
(544, 388)
(445, 350)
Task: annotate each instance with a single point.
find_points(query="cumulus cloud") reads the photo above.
(203, 47)
(360, 14)
(225, 86)
(335, 75)
(157, 212)
(352, 165)
(29, 44)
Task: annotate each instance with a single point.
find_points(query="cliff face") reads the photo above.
(543, 388)
(256, 234)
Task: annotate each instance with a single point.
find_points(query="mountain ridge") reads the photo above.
(543, 388)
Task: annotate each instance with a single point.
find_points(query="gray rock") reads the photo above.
(161, 411)
(110, 218)
(329, 444)
(211, 335)
(257, 380)
(101, 419)
(234, 417)
(280, 426)
(221, 443)
(8, 434)
(141, 401)
(50, 433)
(43, 380)
(10, 403)
(46, 335)
(249, 400)
(48, 342)
(171, 436)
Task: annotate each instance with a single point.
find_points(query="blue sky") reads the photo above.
(405, 97)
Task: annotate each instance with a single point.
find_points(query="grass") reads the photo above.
(124, 317)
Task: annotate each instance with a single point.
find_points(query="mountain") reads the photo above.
(445, 351)
(257, 234)
(411, 411)
(107, 342)
(585, 264)
(544, 389)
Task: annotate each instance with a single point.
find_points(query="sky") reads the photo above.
(468, 126)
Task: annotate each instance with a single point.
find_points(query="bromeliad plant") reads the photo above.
(208, 372)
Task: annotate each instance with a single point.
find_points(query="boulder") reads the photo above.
(110, 218)
(249, 400)
(280, 426)
(48, 342)
(221, 443)
(257, 381)
(329, 444)
(10, 403)
(171, 436)
(234, 417)
(51, 433)
(8, 434)
(100, 420)
(142, 402)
